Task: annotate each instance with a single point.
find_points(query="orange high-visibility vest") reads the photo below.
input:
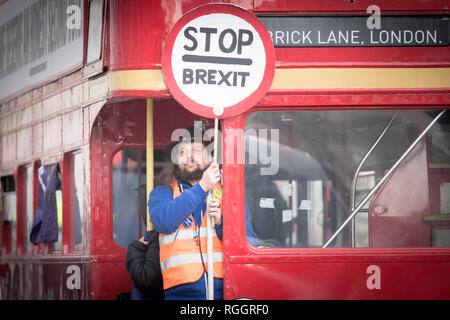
(179, 252)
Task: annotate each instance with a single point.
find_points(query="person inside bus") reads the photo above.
(177, 212)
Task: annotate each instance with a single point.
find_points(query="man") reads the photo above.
(178, 213)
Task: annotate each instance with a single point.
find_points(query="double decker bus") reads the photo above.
(344, 164)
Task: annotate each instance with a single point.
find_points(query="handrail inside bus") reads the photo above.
(355, 177)
(380, 183)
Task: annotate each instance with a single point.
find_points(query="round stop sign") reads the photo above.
(218, 60)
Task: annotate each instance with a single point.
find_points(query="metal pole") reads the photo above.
(149, 156)
(209, 224)
(380, 183)
(355, 177)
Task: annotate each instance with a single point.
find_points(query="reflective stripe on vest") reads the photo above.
(180, 258)
(184, 235)
(189, 258)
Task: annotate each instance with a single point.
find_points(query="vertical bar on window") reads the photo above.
(58, 245)
(67, 181)
(20, 222)
(149, 145)
(37, 164)
(139, 183)
(28, 206)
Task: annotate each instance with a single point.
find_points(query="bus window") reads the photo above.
(76, 197)
(300, 186)
(9, 201)
(95, 26)
(27, 204)
(47, 220)
(129, 208)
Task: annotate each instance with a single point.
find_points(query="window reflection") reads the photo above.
(129, 182)
(304, 202)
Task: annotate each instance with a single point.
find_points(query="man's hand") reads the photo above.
(213, 209)
(210, 177)
(143, 241)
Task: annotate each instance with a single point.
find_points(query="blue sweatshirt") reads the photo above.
(168, 213)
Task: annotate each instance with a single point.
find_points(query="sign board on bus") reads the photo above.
(357, 31)
(218, 60)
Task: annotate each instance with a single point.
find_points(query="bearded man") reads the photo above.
(178, 212)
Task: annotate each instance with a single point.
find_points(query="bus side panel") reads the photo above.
(49, 280)
(368, 280)
(108, 280)
(396, 223)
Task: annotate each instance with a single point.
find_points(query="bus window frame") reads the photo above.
(241, 250)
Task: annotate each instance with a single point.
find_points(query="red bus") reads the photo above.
(344, 164)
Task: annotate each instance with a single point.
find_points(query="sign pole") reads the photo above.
(209, 224)
(149, 147)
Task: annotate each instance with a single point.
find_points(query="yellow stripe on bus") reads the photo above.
(365, 78)
(307, 78)
(149, 79)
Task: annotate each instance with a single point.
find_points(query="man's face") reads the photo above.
(192, 156)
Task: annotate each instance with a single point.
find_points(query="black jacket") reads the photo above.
(143, 266)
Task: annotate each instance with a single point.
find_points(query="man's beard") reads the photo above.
(187, 176)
